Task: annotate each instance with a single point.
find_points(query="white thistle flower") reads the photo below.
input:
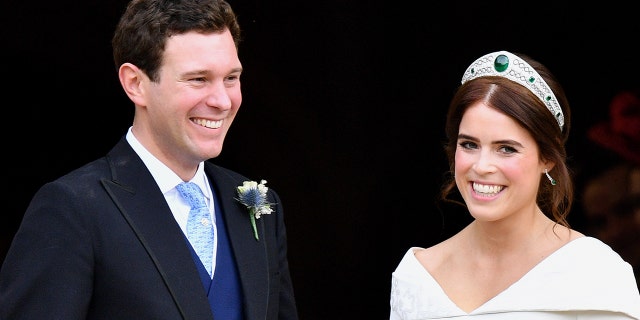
(254, 196)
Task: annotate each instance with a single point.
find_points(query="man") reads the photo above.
(111, 239)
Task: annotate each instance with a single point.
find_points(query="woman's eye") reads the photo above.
(468, 145)
(507, 149)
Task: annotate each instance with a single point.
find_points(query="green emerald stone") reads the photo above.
(532, 79)
(501, 63)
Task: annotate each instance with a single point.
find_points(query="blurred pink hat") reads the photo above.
(621, 133)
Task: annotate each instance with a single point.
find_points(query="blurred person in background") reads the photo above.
(611, 197)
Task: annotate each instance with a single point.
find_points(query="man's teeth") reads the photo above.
(208, 123)
(486, 189)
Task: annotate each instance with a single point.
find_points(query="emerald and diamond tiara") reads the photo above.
(508, 65)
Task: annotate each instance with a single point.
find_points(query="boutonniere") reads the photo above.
(253, 195)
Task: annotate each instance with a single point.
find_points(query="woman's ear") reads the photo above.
(132, 79)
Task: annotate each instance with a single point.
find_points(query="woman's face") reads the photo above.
(497, 166)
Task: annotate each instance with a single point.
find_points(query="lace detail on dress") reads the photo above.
(400, 300)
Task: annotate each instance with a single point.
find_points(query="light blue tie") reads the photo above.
(199, 228)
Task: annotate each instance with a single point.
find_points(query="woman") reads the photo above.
(506, 127)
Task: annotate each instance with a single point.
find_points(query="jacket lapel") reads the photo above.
(142, 204)
(251, 254)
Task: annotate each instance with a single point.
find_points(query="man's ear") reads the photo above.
(131, 79)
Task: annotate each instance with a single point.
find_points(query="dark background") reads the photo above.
(343, 114)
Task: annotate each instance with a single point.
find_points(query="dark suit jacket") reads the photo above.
(102, 243)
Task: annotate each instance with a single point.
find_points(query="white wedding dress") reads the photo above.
(585, 279)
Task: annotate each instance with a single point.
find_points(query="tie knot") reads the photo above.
(192, 193)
